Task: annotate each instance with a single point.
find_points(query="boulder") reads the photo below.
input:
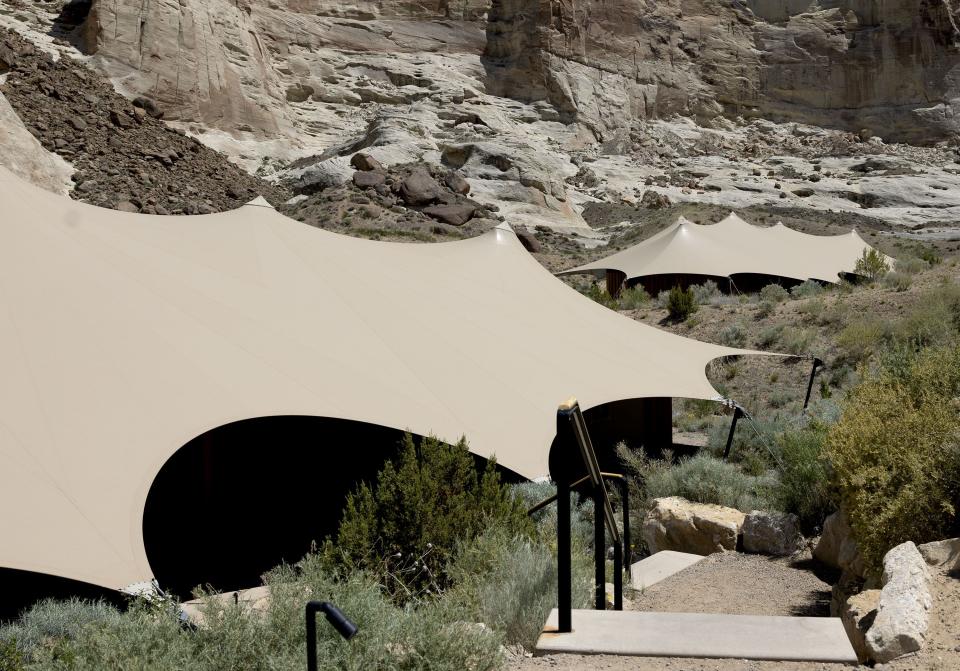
(299, 93)
(836, 546)
(369, 179)
(772, 533)
(126, 206)
(653, 200)
(362, 161)
(699, 528)
(528, 240)
(456, 183)
(903, 612)
(419, 188)
(455, 214)
(943, 554)
(857, 615)
(148, 106)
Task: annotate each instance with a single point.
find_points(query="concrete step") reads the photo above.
(757, 637)
(656, 567)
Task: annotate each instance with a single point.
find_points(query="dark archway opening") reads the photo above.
(21, 589)
(245, 497)
(744, 283)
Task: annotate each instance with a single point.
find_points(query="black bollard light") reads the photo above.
(335, 617)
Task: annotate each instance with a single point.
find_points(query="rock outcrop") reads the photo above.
(889, 67)
(857, 615)
(837, 547)
(903, 612)
(943, 554)
(698, 528)
(772, 533)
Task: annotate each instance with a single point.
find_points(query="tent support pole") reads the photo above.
(817, 363)
(737, 414)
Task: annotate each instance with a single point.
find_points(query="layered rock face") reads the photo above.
(890, 67)
(236, 64)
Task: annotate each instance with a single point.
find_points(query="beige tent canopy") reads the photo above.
(734, 247)
(125, 336)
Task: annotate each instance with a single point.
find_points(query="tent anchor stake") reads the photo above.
(817, 363)
(737, 414)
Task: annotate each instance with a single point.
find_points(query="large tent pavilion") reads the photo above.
(732, 252)
(132, 345)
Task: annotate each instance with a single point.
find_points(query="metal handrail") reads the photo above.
(571, 408)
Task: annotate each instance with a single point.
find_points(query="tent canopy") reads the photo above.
(734, 247)
(124, 336)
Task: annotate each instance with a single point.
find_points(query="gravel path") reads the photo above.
(740, 584)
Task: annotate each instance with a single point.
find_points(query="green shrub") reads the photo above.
(765, 309)
(424, 502)
(895, 454)
(596, 293)
(933, 320)
(872, 265)
(753, 443)
(634, 298)
(11, 659)
(681, 304)
(896, 280)
(797, 341)
(804, 483)
(706, 293)
(770, 336)
(910, 265)
(774, 293)
(509, 583)
(808, 289)
(862, 338)
(706, 479)
(51, 620)
(733, 335)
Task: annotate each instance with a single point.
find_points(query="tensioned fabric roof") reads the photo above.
(733, 247)
(124, 336)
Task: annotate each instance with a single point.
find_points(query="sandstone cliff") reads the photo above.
(890, 67)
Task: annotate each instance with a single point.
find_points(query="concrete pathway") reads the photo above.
(655, 568)
(816, 639)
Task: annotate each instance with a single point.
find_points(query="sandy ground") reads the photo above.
(736, 583)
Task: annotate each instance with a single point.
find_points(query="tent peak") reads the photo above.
(260, 201)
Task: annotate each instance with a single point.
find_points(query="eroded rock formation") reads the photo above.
(888, 67)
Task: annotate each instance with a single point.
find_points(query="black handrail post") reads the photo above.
(340, 622)
(564, 577)
(813, 373)
(599, 551)
(737, 414)
(617, 576)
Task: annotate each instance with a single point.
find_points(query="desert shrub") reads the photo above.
(895, 454)
(796, 341)
(770, 336)
(51, 620)
(705, 479)
(424, 502)
(804, 483)
(509, 583)
(780, 399)
(681, 304)
(596, 293)
(234, 637)
(872, 265)
(11, 659)
(910, 265)
(753, 443)
(862, 337)
(896, 280)
(633, 298)
(733, 335)
(774, 293)
(933, 320)
(808, 289)
(706, 293)
(663, 299)
(765, 309)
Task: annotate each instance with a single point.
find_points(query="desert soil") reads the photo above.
(747, 584)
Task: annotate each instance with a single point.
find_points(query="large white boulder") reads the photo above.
(698, 528)
(837, 546)
(857, 615)
(943, 554)
(772, 533)
(903, 613)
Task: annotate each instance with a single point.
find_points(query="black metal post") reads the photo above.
(617, 576)
(599, 551)
(564, 571)
(813, 373)
(344, 627)
(737, 414)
